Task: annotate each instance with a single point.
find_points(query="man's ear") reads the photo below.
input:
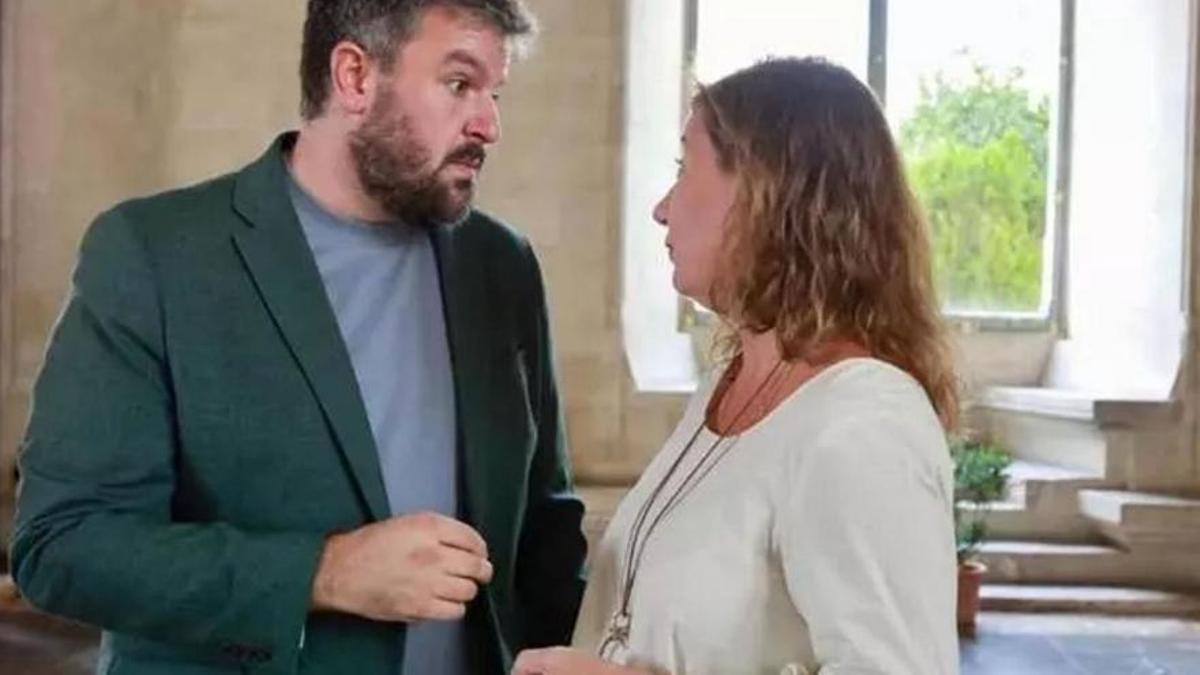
(352, 75)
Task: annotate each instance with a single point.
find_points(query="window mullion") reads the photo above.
(877, 49)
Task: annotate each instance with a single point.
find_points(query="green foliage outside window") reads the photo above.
(976, 156)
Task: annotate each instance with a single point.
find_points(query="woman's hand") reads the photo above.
(564, 661)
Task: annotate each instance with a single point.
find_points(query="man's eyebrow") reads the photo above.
(465, 58)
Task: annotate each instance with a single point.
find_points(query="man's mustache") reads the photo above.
(471, 154)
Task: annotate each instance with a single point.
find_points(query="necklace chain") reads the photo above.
(617, 632)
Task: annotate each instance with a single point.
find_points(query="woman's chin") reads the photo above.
(682, 287)
(690, 292)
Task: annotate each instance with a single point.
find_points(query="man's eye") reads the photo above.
(458, 86)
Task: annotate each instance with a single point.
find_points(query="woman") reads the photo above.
(799, 518)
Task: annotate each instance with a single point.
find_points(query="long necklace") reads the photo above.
(616, 634)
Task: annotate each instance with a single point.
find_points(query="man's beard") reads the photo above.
(394, 169)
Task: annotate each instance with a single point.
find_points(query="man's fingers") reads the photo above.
(442, 610)
(466, 565)
(456, 589)
(458, 534)
(485, 572)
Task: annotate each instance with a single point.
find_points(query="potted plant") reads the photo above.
(980, 479)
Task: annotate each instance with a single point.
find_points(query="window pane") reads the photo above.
(972, 86)
(733, 34)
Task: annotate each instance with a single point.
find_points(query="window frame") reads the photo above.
(1052, 317)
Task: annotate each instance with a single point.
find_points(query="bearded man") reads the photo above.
(303, 417)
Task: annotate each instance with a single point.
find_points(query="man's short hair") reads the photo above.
(380, 27)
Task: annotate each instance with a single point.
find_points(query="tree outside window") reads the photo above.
(976, 153)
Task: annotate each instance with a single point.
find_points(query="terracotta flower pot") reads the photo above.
(970, 576)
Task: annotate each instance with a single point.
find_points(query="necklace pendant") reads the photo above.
(619, 626)
(616, 635)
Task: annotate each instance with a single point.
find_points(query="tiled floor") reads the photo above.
(1024, 644)
(1006, 644)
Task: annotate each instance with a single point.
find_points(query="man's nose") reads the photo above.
(484, 126)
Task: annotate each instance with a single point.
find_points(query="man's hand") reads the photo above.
(407, 568)
(564, 661)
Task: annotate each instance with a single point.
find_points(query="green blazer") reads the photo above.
(197, 432)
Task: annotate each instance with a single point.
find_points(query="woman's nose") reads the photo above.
(660, 209)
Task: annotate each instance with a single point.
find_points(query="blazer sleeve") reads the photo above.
(866, 542)
(549, 574)
(94, 536)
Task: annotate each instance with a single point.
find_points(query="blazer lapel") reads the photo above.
(462, 298)
(278, 258)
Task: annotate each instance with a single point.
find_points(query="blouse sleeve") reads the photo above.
(865, 537)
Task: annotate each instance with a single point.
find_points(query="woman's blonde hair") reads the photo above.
(825, 240)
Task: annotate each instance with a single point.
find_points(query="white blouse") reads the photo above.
(821, 543)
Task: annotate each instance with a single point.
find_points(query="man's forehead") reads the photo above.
(458, 36)
(449, 24)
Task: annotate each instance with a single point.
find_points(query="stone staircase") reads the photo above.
(1094, 521)
(1078, 599)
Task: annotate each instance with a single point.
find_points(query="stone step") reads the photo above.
(1104, 435)
(1071, 428)
(1010, 521)
(1045, 425)
(1047, 487)
(1106, 600)
(1072, 443)
(1142, 509)
(1036, 562)
(1143, 520)
(1042, 504)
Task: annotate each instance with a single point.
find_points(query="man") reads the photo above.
(275, 400)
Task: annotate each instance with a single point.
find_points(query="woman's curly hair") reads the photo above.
(825, 240)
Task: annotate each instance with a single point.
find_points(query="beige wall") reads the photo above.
(107, 99)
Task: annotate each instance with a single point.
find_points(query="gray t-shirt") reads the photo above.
(384, 287)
